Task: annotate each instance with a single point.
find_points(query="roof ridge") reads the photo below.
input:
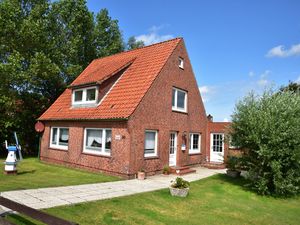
(147, 46)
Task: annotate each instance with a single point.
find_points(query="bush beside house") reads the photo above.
(268, 126)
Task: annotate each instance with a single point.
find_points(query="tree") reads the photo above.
(108, 37)
(292, 86)
(268, 126)
(73, 27)
(133, 43)
(44, 45)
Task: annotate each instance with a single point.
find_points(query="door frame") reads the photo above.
(211, 159)
(175, 147)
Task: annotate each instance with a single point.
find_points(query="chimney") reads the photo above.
(210, 118)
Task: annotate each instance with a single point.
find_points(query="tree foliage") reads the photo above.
(133, 43)
(268, 126)
(292, 86)
(44, 45)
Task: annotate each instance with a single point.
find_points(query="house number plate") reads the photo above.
(118, 137)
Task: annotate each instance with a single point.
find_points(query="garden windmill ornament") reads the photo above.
(12, 160)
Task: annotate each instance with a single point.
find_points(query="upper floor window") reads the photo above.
(180, 62)
(195, 143)
(59, 138)
(85, 96)
(179, 100)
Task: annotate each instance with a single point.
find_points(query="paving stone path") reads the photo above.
(57, 196)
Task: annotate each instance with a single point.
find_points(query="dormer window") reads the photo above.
(181, 62)
(84, 96)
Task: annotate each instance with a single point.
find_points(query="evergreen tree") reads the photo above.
(108, 37)
(133, 43)
(44, 45)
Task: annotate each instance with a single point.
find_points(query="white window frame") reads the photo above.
(191, 140)
(57, 145)
(84, 95)
(181, 63)
(96, 152)
(155, 146)
(175, 108)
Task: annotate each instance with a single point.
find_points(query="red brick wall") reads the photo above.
(155, 112)
(117, 163)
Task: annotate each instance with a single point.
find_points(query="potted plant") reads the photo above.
(166, 170)
(141, 174)
(233, 166)
(179, 187)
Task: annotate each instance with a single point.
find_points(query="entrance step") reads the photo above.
(181, 170)
(212, 165)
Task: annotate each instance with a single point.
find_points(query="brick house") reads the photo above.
(139, 109)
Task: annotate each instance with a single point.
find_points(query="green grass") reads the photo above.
(35, 174)
(215, 200)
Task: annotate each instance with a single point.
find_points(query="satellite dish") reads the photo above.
(39, 127)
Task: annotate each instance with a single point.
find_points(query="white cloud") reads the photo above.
(251, 74)
(205, 92)
(225, 120)
(153, 36)
(298, 80)
(263, 81)
(281, 51)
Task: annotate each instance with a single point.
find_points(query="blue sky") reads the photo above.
(235, 46)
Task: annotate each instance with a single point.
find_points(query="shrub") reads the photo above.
(166, 169)
(233, 163)
(180, 183)
(268, 127)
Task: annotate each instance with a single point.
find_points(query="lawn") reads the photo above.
(215, 200)
(35, 174)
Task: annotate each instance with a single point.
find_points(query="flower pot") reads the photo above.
(183, 192)
(141, 175)
(233, 173)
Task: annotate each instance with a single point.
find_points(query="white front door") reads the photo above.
(217, 147)
(173, 149)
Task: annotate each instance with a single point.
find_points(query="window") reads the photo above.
(78, 96)
(195, 143)
(97, 141)
(85, 96)
(181, 62)
(59, 138)
(150, 143)
(179, 100)
(91, 94)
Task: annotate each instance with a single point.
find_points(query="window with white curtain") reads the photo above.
(97, 141)
(59, 138)
(150, 143)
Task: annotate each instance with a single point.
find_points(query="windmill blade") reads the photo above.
(20, 153)
(18, 146)
(16, 138)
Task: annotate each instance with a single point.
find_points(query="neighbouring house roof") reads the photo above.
(143, 66)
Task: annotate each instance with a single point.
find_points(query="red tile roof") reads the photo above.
(128, 91)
